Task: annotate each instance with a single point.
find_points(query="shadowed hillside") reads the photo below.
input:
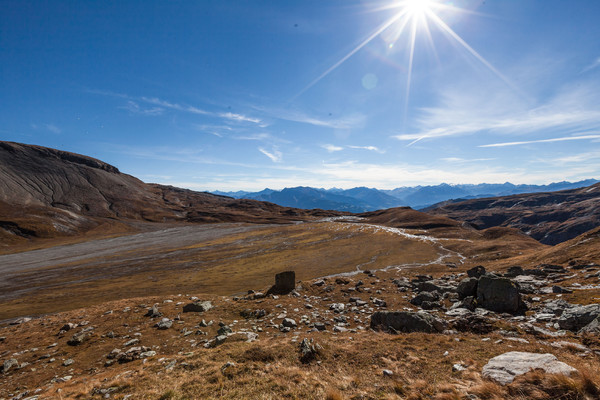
(550, 218)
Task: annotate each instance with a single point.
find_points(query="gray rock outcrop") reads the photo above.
(505, 367)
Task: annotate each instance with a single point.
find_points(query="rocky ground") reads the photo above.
(381, 334)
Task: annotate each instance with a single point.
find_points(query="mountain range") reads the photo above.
(362, 199)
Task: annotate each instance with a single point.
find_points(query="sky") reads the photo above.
(249, 94)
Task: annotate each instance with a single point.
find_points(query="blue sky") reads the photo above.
(243, 95)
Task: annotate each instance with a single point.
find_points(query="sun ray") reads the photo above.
(369, 38)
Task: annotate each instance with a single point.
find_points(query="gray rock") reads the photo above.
(165, 323)
(505, 367)
(593, 327)
(577, 317)
(224, 330)
(309, 350)
(153, 312)
(68, 362)
(468, 302)
(407, 321)
(9, 364)
(198, 306)
(498, 294)
(79, 338)
(289, 323)
(425, 296)
(467, 287)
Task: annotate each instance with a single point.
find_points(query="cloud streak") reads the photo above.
(464, 112)
(274, 155)
(551, 140)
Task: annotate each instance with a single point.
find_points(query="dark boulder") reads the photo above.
(467, 287)
(425, 296)
(285, 282)
(476, 272)
(498, 294)
(514, 271)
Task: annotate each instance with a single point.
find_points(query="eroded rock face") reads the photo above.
(407, 321)
(506, 367)
(498, 294)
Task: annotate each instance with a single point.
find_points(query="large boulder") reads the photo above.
(425, 297)
(467, 287)
(506, 367)
(407, 321)
(576, 318)
(197, 306)
(476, 272)
(285, 282)
(498, 294)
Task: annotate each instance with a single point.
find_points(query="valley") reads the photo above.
(114, 288)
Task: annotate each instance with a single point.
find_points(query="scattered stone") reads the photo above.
(224, 330)
(289, 323)
(498, 294)
(9, 364)
(309, 350)
(68, 362)
(67, 327)
(165, 323)
(505, 367)
(153, 312)
(387, 372)
(475, 323)
(79, 338)
(198, 306)
(458, 368)
(559, 289)
(407, 321)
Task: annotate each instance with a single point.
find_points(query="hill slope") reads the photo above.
(46, 192)
(550, 218)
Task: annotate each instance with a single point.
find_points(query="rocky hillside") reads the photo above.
(550, 218)
(46, 192)
(376, 335)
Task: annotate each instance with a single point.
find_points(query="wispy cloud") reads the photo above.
(370, 148)
(135, 108)
(240, 118)
(463, 160)
(162, 104)
(465, 112)
(49, 127)
(332, 148)
(275, 155)
(560, 139)
(351, 121)
(595, 64)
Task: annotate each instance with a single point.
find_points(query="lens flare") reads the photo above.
(414, 18)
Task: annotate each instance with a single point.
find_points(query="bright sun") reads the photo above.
(416, 7)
